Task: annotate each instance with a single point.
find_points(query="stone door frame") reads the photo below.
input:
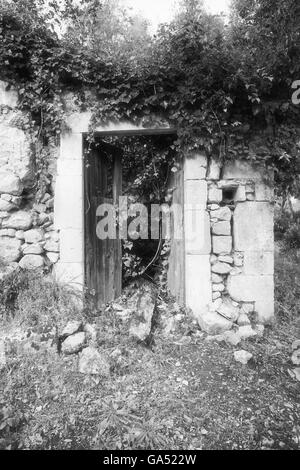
(69, 191)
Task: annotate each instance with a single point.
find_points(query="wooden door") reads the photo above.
(103, 258)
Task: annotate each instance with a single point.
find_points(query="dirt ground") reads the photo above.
(181, 392)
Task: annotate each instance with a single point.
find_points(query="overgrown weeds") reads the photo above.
(287, 286)
(182, 393)
(34, 299)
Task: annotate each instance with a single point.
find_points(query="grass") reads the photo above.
(182, 393)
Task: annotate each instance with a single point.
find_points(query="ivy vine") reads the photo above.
(226, 88)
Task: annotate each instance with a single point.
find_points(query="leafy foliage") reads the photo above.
(225, 88)
(33, 299)
(287, 229)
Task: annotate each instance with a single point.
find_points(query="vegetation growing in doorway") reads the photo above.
(147, 163)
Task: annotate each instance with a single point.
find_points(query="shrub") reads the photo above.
(36, 299)
(287, 286)
(287, 229)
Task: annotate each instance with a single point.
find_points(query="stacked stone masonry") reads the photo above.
(27, 234)
(230, 263)
(228, 222)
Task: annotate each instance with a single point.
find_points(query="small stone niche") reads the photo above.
(229, 195)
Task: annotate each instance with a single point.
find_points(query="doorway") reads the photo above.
(103, 185)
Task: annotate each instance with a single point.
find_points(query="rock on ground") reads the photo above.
(246, 332)
(74, 344)
(228, 310)
(296, 344)
(213, 323)
(242, 356)
(142, 304)
(71, 328)
(296, 373)
(243, 320)
(2, 355)
(230, 337)
(92, 362)
(296, 357)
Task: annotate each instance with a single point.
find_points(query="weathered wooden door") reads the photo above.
(103, 258)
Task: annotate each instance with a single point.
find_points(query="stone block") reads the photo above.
(198, 283)
(258, 289)
(20, 220)
(242, 356)
(20, 234)
(53, 246)
(238, 259)
(214, 195)
(228, 184)
(7, 232)
(33, 249)
(74, 344)
(228, 310)
(213, 323)
(15, 146)
(242, 170)
(253, 227)
(33, 236)
(71, 146)
(10, 183)
(6, 205)
(68, 207)
(258, 262)
(264, 192)
(218, 287)
(246, 332)
(221, 268)
(265, 308)
(195, 167)
(92, 362)
(221, 244)
(31, 262)
(225, 259)
(70, 273)
(195, 194)
(10, 249)
(224, 213)
(216, 278)
(197, 232)
(221, 228)
(216, 296)
(243, 320)
(71, 246)
(69, 167)
(8, 96)
(240, 195)
(52, 257)
(214, 170)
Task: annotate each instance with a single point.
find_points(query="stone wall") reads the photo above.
(223, 265)
(27, 235)
(230, 260)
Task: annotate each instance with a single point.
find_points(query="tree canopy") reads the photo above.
(226, 88)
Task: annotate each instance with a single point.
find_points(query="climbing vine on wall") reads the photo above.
(225, 88)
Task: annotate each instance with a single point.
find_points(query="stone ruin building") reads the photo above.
(224, 273)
